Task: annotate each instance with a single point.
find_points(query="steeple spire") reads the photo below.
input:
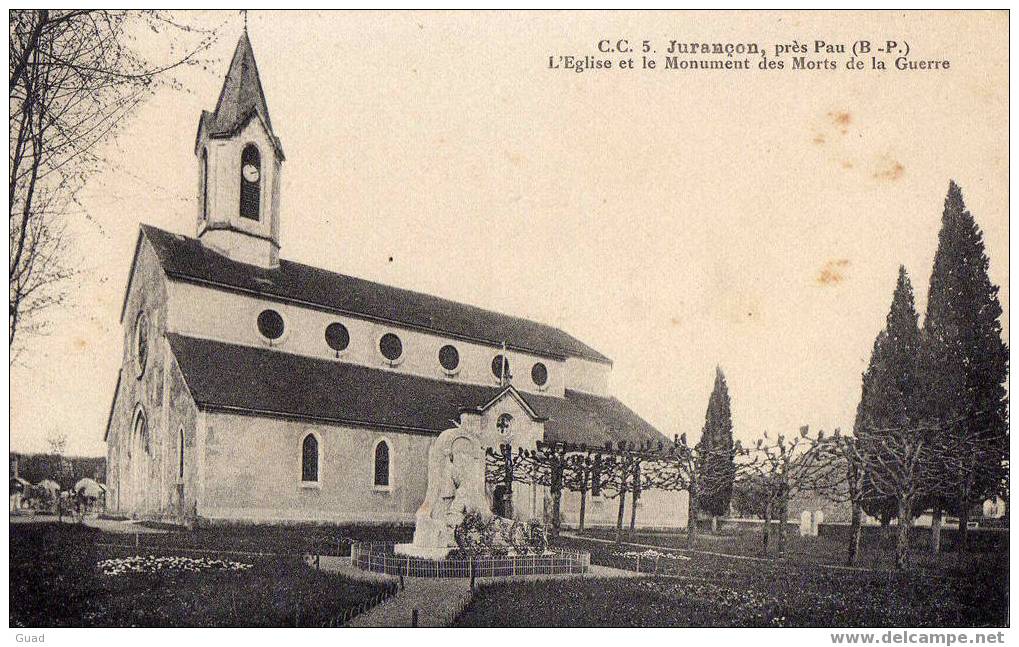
(242, 91)
(240, 160)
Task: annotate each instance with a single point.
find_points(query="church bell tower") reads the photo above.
(239, 164)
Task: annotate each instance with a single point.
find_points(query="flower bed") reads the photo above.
(650, 553)
(153, 564)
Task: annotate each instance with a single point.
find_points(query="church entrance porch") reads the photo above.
(133, 482)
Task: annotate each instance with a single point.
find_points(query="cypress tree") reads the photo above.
(717, 470)
(889, 397)
(968, 360)
(889, 414)
(879, 506)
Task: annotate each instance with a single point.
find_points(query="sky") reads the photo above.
(676, 221)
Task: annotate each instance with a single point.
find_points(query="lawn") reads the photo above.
(826, 599)
(57, 581)
(701, 590)
(281, 539)
(876, 551)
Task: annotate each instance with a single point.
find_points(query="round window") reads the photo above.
(337, 336)
(391, 347)
(539, 374)
(270, 324)
(503, 424)
(141, 341)
(449, 357)
(500, 367)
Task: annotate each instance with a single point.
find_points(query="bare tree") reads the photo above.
(845, 482)
(556, 466)
(960, 460)
(617, 469)
(75, 77)
(57, 440)
(913, 463)
(680, 467)
(783, 467)
(908, 465)
(584, 476)
(615, 472)
(546, 465)
(503, 466)
(61, 469)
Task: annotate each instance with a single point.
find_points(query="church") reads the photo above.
(255, 389)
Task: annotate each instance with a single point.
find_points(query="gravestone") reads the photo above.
(816, 521)
(805, 523)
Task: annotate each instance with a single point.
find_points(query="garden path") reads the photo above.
(438, 600)
(121, 527)
(106, 525)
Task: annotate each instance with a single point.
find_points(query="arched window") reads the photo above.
(205, 184)
(136, 473)
(180, 455)
(141, 342)
(251, 182)
(309, 459)
(382, 464)
(140, 438)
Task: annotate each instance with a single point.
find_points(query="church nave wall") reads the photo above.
(587, 376)
(232, 317)
(253, 472)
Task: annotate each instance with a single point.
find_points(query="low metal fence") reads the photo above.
(349, 614)
(380, 558)
(459, 607)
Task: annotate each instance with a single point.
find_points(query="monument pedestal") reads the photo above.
(431, 540)
(422, 551)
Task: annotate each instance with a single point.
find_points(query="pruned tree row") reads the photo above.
(621, 472)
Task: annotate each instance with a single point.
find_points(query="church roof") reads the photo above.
(241, 97)
(261, 381)
(187, 259)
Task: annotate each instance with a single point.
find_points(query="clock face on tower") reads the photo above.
(250, 172)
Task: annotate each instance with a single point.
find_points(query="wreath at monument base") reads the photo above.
(478, 534)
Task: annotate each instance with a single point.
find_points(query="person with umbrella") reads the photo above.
(87, 493)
